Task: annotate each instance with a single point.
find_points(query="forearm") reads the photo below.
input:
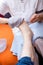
(25, 29)
(3, 20)
(27, 47)
(41, 16)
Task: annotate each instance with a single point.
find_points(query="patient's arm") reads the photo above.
(3, 20)
(27, 34)
(28, 49)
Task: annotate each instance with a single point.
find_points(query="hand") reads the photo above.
(35, 18)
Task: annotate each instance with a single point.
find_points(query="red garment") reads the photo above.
(7, 57)
(1, 15)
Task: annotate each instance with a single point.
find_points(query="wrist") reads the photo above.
(3, 20)
(41, 16)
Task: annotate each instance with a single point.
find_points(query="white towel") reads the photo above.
(16, 47)
(37, 29)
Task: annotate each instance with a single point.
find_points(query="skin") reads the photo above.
(36, 17)
(3, 20)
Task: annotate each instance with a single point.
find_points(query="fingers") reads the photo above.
(34, 18)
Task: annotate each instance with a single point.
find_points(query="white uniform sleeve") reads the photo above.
(30, 9)
(4, 7)
(40, 5)
(15, 21)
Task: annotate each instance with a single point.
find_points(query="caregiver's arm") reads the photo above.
(36, 17)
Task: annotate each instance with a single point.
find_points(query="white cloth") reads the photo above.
(3, 45)
(37, 29)
(18, 41)
(21, 9)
